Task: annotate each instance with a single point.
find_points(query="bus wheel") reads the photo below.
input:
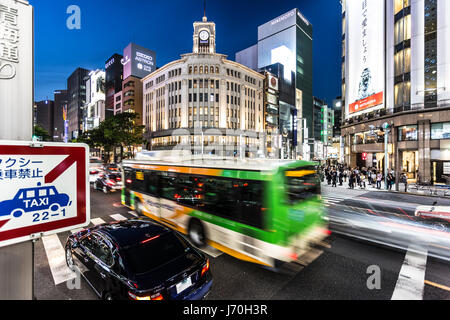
(197, 233)
(138, 208)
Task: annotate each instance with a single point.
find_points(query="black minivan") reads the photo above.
(139, 259)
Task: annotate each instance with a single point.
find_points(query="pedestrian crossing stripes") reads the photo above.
(411, 280)
(56, 259)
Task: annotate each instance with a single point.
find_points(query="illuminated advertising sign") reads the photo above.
(138, 61)
(273, 83)
(365, 56)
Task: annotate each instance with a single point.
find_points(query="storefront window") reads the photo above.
(440, 131)
(407, 133)
(359, 138)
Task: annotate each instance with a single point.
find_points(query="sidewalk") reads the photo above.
(430, 191)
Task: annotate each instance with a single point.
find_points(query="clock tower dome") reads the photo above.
(204, 36)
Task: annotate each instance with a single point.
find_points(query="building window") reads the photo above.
(400, 4)
(407, 133)
(402, 62)
(402, 94)
(402, 30)
(440, 131)
(430, 53)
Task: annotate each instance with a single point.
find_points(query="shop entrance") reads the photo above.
(440, 171)
(410, 164)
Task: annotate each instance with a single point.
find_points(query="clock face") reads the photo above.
(204, 35)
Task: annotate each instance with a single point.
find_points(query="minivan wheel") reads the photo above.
(197, 233)
(69, 259)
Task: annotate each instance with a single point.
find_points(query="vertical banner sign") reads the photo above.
(365, 56)
(43, 190)
(16, 70)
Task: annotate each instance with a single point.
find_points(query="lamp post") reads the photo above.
(386, 152)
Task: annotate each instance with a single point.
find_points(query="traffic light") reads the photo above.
(364, 156)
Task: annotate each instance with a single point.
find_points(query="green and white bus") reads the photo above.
(260, 211)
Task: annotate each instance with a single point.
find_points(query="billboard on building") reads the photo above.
(138, 61)
(365, 56)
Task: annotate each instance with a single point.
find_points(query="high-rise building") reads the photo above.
(138, 62)
(280, 109)
(76, 88)
(61, 102)
(43, 115)
(287, 40)
(113, 82)
(337, 107)
(204, 102)
(396, 85)
(94, 109)
(323, 128)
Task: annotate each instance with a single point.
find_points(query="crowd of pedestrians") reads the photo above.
(359, 177)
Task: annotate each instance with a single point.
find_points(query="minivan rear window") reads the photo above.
(146, 256)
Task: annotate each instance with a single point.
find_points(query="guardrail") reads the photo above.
(443, 190)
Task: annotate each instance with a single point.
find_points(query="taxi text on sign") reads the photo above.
(43, 190)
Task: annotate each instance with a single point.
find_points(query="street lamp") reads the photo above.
(386, 130)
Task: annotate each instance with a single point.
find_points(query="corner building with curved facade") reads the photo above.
(396, 71)
(205, 97)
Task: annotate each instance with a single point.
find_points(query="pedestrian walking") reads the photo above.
(379, 178)
(363, 181)
(390, 181)
(404, 179)
(334, 178)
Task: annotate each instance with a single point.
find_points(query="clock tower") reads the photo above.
(204, 36)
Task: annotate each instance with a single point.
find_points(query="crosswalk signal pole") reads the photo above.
(386, 160)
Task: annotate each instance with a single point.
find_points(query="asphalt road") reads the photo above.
(341, 271)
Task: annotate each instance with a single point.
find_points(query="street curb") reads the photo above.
(405, 193)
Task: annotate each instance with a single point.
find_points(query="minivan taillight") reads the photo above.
(205, 268)
(157, 296)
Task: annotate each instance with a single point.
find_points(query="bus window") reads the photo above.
(139, 181)
(190, 190)
(168, 186)
(302, 188)
(151, 180)
(220, 198)
(250, 203)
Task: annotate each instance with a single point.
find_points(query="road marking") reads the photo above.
(213, 252)
(411, 280)
(118, 217)
(437, 285)
(57, 259)
(97, 221)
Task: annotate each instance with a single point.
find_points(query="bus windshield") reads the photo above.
(302, 188)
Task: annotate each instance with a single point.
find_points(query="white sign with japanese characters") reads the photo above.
(44, 189)
(16, 69)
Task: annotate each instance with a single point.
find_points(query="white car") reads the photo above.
(437, 216)
(95, 168)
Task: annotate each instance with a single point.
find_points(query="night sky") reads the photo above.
(108, 26)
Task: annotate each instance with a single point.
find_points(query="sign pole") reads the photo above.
(16, 110)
